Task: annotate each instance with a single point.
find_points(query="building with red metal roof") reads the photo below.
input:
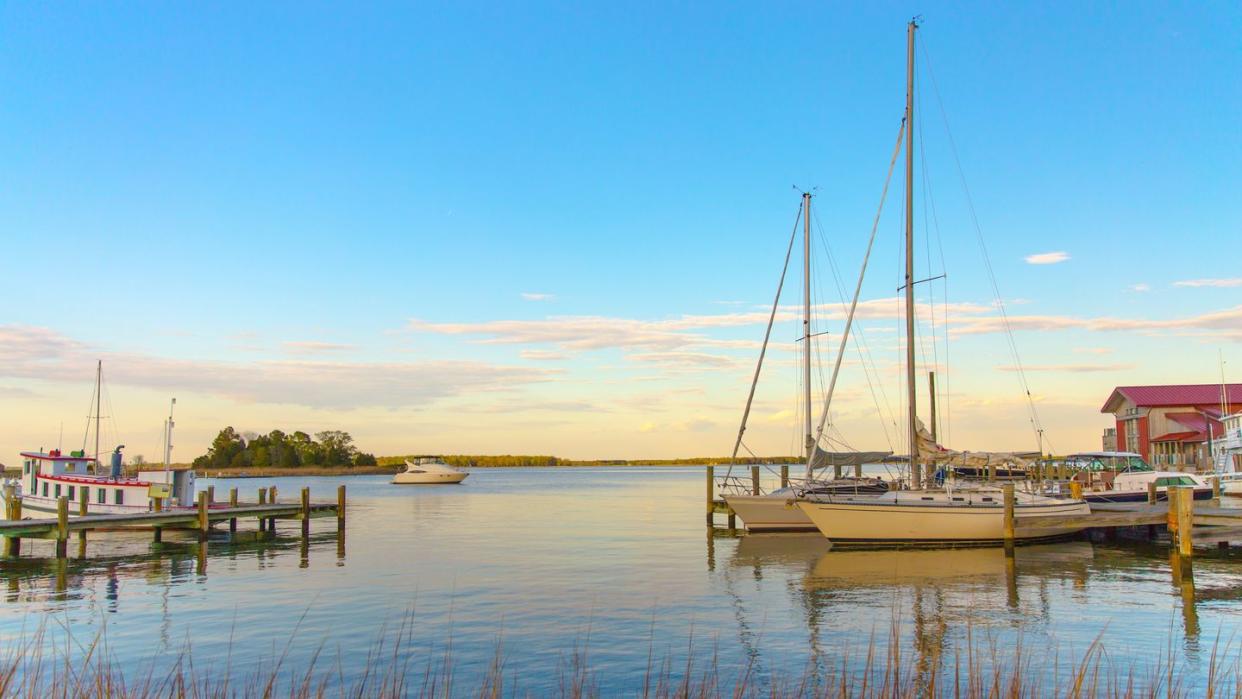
(1172, 425)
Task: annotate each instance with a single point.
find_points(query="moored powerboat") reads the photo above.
(1122, 476)
(428, 470)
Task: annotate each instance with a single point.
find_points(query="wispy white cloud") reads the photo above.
(1047, 258)
(533, 296)
(684, 360)
(1218, 283)
(1226, 323)
(305, 347)
(1070, 368)
(1140, 288)
(1093, 350)
(542, 355)
(41, 353)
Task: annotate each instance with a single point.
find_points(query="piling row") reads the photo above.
(199, 519)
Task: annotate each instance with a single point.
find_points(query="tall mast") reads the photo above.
(98, 385)
(916, 475)
(168, 429)
(806, 320)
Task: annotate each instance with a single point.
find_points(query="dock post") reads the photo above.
(203, 522)
(82, 505)
(340, 508)
(784, 475)
(62, 526)
(271, 495)
(1151, 493)
(1171, 513)
(211, 495)
(1216, 492)
(13, 544)
(1185, 520)
(1007, 489)
(754, 480)
(232, 503)
(1076, 490)
(858, 470)
(711, 495)
(305, 512)
(262, 496)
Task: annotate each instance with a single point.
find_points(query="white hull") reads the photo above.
(41, 505)
(428, 478)
(1231, 484)
(906, 518)
(770, 513)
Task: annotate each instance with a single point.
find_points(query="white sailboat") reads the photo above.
(950, 515)
(775, 511)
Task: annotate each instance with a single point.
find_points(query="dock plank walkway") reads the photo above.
(50, 527)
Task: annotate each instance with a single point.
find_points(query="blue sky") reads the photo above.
(203, 195)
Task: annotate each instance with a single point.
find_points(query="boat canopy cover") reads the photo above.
(848, 458)
(932, 453)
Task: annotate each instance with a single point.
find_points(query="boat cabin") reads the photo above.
(48, 476)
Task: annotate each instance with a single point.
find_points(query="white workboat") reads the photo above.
(86, 483)
(428, 470)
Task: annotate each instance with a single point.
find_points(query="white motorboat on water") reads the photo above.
(428, 470)
(1122, 476)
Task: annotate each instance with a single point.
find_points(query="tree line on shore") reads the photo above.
(278, 449)
(335, 449)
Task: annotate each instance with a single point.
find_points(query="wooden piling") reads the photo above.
(754, 480)
(1170, 497)
(262, 496)
(1076, 490)
(1152, 496)
(62, 526)
(233, 503)
(271, 495)
(340, 507)
(13, 511)
(305, 512)
(204, 525)
(1185, 520)
(1216, 492)
(784, 475)
(1007, 489)
(211, 495)
(82, 505)
(858, 470)
(711, 495)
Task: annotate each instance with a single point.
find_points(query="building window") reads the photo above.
(72, 493)
(120, 496)
(45, 489)
(101, 496)
(57, 490)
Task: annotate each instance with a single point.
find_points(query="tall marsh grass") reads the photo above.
(30, 666)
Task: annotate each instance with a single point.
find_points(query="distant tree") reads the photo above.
(338, 447)
(363, 459)
(262, 457)
(138, 460)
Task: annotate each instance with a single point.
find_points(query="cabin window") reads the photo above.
(57, 490)
(987, 499)
(101, 496)
(72, 493)
(44, 489)
(120, 496)
(71, 467)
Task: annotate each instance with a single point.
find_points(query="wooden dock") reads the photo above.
(266, 511)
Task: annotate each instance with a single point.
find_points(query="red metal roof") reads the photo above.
(1181, 437)
(1204, 394)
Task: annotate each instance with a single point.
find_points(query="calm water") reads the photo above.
(538, 562)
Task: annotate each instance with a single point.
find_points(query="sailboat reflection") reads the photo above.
(923, 594)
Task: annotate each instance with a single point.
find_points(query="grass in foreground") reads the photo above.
(391, 669)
